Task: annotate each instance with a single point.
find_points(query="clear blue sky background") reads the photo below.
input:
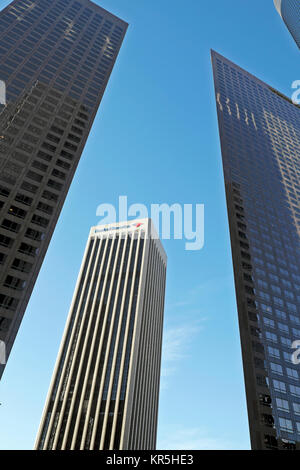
(155, 139)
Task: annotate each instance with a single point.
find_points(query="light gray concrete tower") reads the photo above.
(105, 387)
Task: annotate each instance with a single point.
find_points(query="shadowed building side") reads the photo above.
(55, 59)
(260, 136)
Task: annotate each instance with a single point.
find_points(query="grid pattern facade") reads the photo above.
(105, 386)
(55, 59)
(260, 141)
(290, 13)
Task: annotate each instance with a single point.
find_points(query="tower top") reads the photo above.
(277, 4)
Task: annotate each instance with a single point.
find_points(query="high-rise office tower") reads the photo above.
(289, 10)
(105, 386)
(55, 59)
(260, 141)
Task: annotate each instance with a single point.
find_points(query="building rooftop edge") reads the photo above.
(277, 4)
(266, 85)
(130, 224)
(107, 11)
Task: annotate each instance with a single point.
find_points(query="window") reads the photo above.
(44, 156)
(57, 130)
(295, 319)
(9, 303)
(274, 352)
(23, 199)
(34, 234)
(283, 327)
(58, 174)
(2, 258)
(295, 390)
(286, 424)
(4, 324)
(74, 138)
(45, 208)
(28, 249)
(282, 404)
(34, 176)
(67, 155)
(63, 164)
(296, 407)
(40, 166)
(292, 373)
(268, 322)
(271, 337)
(11, 226)
(53, 138)
(276, 368)
(38, 220)
(14, 283)
(49, 147)
(286, 341)
(5, 241)
(20, 265)
(50, 196)
(280, 314)
(279, 386)
(53, 184)
(72, 147)
(4, 191)
(29, 187)
(17, 212)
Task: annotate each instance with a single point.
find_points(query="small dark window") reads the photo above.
(50, 196)
(45, 208)
(9, 303)
(29, 187)
(17, 212)
(38, 220)
(21, 265)
(44, 156)
(2, 258)
(11, 226)
(6, 241)
(28, 249)
(34, 234)
(34, 176)
(14, 283)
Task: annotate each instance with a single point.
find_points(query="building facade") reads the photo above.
(289, 10)
(105, 386)
(55, 61)
(260, 141)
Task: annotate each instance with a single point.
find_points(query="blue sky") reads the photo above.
(155, 139)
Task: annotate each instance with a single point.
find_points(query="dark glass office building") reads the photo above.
(260, 141)
(55, 59)
(289, 11)
(105, 386)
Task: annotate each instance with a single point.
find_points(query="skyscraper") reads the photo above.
(289, 10)
(55, 59)
(260, 141)
(105, 386)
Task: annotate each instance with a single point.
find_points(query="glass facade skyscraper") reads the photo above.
(105, 386)
(289, 11)
(260, 142)
(55, 60)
